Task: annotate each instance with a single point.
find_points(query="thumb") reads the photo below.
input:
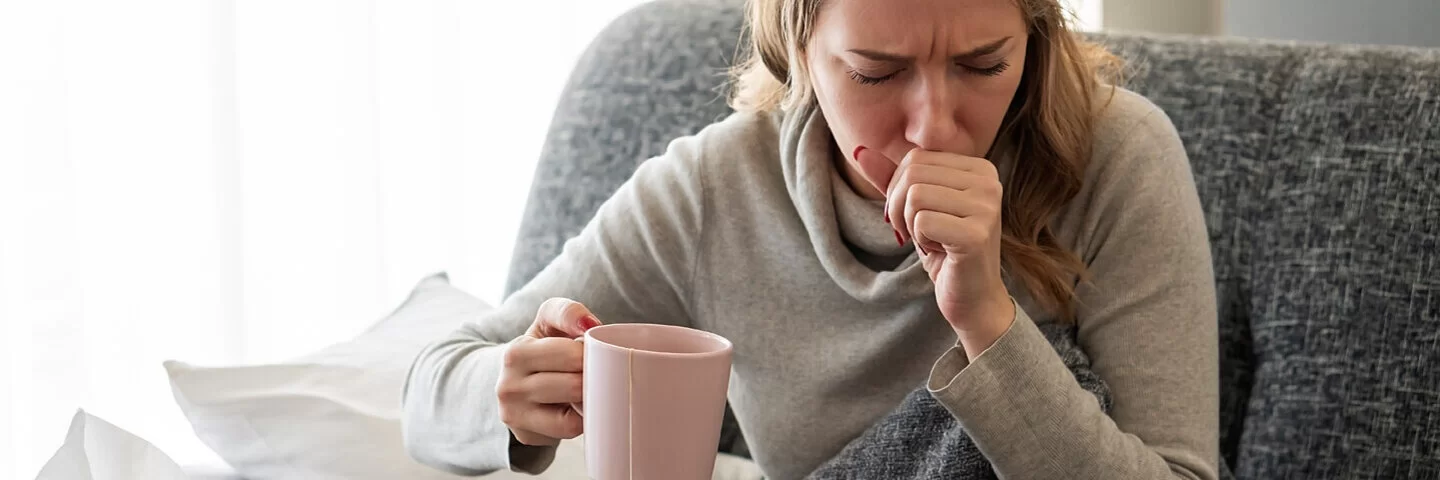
(876, 167)
(562, 317)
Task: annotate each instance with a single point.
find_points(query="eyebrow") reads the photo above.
(980, 51)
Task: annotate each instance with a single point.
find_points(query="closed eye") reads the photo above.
(868, 80)
(989, 71)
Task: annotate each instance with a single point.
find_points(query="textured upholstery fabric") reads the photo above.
(1346, 304)
(1318, 166)
(920, 439)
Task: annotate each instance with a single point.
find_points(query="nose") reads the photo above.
(931, 121)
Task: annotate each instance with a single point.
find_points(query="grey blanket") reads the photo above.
(921, 440)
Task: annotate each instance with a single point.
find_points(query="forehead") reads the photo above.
(912, 25)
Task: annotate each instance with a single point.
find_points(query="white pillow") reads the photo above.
(94, 449)
(334, 413)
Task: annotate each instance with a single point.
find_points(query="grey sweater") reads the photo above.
(745, 230)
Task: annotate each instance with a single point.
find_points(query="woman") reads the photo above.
(910, 192)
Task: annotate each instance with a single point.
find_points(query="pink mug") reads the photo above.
(654, 401)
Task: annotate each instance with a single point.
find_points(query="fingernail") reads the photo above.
(887, 213)
(589, 322)
(898, 239)
(856, 155)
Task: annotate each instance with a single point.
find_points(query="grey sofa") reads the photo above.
(1318, 166)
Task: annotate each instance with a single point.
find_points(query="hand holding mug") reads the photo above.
(543, 375)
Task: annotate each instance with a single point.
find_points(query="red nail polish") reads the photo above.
(887, 214)
(856, 154)
(901, 241)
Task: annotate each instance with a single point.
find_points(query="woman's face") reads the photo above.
(894, 75)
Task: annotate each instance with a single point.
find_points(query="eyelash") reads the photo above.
(864, 80)
(989, 72)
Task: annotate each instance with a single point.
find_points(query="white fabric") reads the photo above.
(94, 449)
(330, 414)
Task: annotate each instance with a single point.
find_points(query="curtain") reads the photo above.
(226, 181)
(1085, 15)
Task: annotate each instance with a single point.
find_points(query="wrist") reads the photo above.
(989, 327)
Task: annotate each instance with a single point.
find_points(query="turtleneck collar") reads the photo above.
(837, 218)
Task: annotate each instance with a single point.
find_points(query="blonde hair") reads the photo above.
(1046, 132)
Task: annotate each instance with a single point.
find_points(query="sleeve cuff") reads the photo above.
(459, 430)
(953, 362)
(1020, 362)
(1011, 400)
(530, 459)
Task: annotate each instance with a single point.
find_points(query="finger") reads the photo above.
(911, 174)
(905, 162)
(943, 176)
(550, 354)
(555, 388)
(875, 167)
(937, 168)
(933, 263)
(965, 201)
(556, 421)
(924, 197)
(947, 163)
(894, 193)
(562, 317)
(955, 235)
(519, 418)
(955, 161)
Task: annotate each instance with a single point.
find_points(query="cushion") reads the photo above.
(95, 449)
(334, 413)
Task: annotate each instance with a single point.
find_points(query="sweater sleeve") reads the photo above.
(631, 263)
(1147, 319)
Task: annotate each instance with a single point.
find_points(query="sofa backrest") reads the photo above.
(1318, 167)
(654, 74)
